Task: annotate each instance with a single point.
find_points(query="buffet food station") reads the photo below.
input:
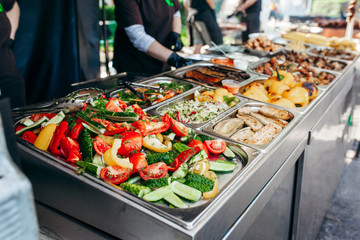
(286, 150)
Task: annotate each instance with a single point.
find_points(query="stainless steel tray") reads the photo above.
(254, 105)
(180, 73)
(299, 109)
(251, 70)
(190, 96)
(337, 57)
(263, 53)
(183, 221)
(156, 80)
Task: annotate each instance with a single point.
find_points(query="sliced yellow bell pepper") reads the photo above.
(43, 140)
(201, 167)
(111, 158)
(212, 176)
(153, 143)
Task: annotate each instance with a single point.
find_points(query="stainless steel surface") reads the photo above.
(190, 96)
(155, 80)
(114, 206)
(263, 53)
(269, 215)
(235, 208)
(209, 128)
(324, 161)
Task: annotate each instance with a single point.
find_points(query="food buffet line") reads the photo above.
(207, 151)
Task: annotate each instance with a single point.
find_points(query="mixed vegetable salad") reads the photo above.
(206, 105)
(152, 96)
(155, 158)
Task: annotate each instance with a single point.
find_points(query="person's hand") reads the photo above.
(240, 8)
(177, 61)
(175, 42)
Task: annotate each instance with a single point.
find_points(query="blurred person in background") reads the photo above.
(11, 82)
(202, 20)
(148, 36)
(250, 10)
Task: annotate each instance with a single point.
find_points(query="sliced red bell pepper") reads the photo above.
(75, 131)
(137, 109)
(38, 116)
(103, 122)
(19, 127)
(183, 157)
(70, 149)
(117, 128)
(61, 131)
(158, 125)
(29, 136)
(174, 165)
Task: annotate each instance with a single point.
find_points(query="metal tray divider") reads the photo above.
(209, 128)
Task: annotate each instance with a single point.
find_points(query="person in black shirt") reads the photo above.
(251, 12)
(11, 82)
(206, 15)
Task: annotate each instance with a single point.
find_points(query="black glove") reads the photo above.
(175, 42)
(177, 61)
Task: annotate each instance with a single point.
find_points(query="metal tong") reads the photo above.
(71, 103)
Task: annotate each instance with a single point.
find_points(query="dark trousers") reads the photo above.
(252, 21)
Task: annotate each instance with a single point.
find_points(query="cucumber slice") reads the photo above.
(180, 147)
(97, 160)
(185, 191)
(238, 151)
(55, 120)
(158, 194)
(26, 122)
(91, 129)
(228, 153)
(198, 157)
(175, 200)
(89, 167)
(134, 179)
(222, 166)
(34, 125)
(181, 171)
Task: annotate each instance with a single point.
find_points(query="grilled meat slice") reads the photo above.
(275, 112)
(202, 77)
(265, 134)
(251, 122)
(242, 134)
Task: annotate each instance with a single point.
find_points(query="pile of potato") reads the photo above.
(282, 91)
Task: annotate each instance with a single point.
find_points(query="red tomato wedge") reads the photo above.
(100, 146)
(119, 102)
(131, 144)
(115, 174)
(156, 170)
(178, 128)
(216, 146)
(139, 162)
(200, 144)
(112, 106)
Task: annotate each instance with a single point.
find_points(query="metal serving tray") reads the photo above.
(180, 73)
(292, 110)
(263, 53)
(154, 81)
(163, 221)
(188, 97)
(254, 105)
(337, 57)
(252, 68)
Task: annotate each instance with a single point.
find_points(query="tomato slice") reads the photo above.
(137, 109)
(112, 106)
(117, 128)
(216, 146)
(103, 122)
(139, 162)
(115, 174)
(178, 128)
(100, 146)
(156, 170)
(119, 102)
(131, 144)
(200, 144)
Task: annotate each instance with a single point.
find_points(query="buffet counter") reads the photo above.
(283, 189)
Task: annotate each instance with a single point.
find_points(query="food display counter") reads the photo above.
(279, 187)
